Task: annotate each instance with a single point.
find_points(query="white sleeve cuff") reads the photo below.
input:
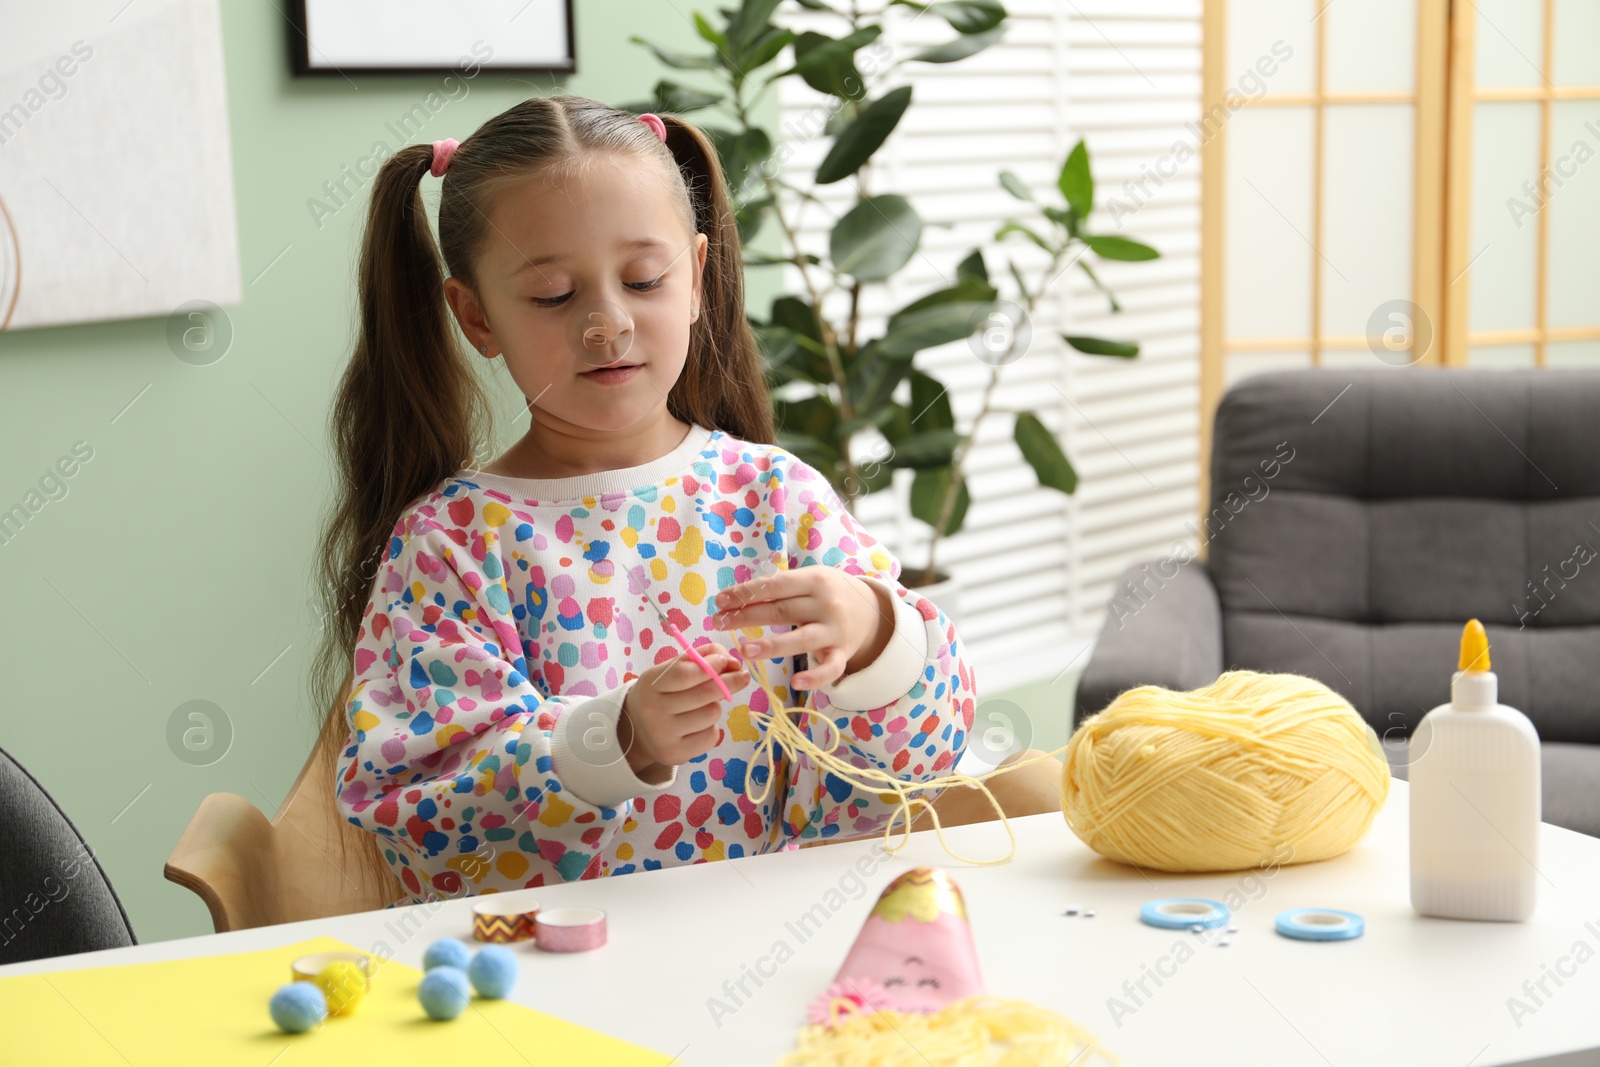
(588, 759)
(898, 667)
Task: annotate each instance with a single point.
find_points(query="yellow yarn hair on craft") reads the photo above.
(976, 1032)
(1252, 769)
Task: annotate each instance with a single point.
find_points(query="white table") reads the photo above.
(1412, 991)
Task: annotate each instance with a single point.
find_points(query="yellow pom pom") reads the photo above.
(1252, 770)
(344, 984)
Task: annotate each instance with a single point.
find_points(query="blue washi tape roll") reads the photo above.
(1320, 924)
(1182, 913)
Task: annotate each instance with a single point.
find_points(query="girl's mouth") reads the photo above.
(613, 375)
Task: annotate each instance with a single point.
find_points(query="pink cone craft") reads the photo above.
(915, 951)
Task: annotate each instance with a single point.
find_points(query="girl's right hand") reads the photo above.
(672, 712)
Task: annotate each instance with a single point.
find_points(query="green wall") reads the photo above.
(176, 567)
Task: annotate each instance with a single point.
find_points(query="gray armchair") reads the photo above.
(1356, 520)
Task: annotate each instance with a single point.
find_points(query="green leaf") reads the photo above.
(928, 490)
(709, 32)
(678, 60)
(766, 49)
(778, 352)
(875, 238)
(873, 376)
(814, 416)
(812, 451)
(1014, 186)
(1043, 453)
(678, 99)
(932, 448)
(1099, 346)
(813, 5)
(740, 153)
(872, 419)
(930, 403)
(875, 477)
(828, 65)
(1064, 217)
(911, 332)
(960, 48)
(748, 24)
(750, 215)
(1075, 181)
(758, 259)
(864, 136)
(974, 267)
(1017, 227)
(898, 426)
(1120, 248)
(970, 16)
(967, 290)
(795, 315)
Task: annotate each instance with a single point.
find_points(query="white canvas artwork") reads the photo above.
(116, 166)
(389, 35)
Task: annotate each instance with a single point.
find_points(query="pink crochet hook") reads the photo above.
(689, 650)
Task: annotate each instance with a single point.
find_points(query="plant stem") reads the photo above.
(947, 505)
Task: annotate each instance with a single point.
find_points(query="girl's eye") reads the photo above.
(638, 287)
(928, 981)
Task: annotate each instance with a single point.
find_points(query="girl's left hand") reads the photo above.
(838, 620)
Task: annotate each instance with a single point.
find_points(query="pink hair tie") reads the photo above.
(655, 123)
(442, 151)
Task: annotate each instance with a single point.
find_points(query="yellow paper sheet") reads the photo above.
(211, 1011)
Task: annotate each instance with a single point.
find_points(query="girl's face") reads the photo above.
(586, 273)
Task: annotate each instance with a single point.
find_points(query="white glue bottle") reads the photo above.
(1475, 799)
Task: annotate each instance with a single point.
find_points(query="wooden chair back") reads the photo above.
(306, 862)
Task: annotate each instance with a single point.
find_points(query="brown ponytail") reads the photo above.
(410, 410)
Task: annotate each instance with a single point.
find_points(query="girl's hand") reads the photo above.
(841, 622)
(671, 712)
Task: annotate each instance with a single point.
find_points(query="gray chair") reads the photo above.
(1357, 518)
(54, 898)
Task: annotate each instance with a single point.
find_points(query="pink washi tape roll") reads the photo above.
(569, 929)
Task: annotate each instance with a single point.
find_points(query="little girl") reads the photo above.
(516, 715)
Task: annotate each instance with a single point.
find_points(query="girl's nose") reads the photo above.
(602, 332)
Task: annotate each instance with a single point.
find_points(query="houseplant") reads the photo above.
(831, 382)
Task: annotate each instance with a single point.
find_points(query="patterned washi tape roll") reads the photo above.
(570, 929)
(1320, 924)
(501, 921)
(1184, 913)
(306, 968)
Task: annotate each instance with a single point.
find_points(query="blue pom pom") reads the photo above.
(493, 971)
(446, 952)
(298, 1006)
(444, 992)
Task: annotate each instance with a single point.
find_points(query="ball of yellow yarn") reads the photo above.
(344, 984)
(1254, 769)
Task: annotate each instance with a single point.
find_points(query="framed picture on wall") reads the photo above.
(344, 37)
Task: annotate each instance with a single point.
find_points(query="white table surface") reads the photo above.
(1412, 991)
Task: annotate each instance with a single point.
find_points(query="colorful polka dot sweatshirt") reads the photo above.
(508, 621)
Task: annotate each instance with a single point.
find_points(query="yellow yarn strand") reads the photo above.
(976, 1032)
(1250, 769)
(779, 728)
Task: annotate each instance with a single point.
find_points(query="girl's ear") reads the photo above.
(469, 315)
(702, 243)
